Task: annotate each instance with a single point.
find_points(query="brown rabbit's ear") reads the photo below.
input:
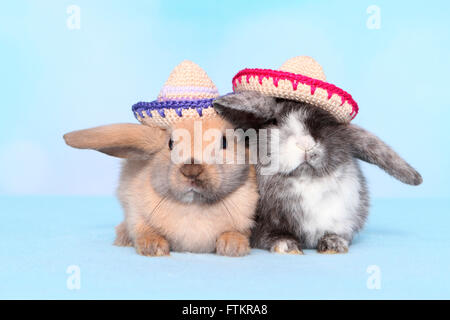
(124, 140)
(368, 147)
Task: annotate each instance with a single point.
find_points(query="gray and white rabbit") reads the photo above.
(317, 197)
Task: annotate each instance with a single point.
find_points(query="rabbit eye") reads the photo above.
(224, 142)
(170, 144)
(271, 122)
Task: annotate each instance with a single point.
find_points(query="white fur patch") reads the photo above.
(281, 246)
(329, 203)
(292, 149)
(293, 124)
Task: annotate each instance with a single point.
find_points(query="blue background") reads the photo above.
(54, 80)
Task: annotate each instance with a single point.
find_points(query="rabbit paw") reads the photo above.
(332, 243)
(123, 242)
(286, 246)
(152, 245)
(232, 244)
(122, 236)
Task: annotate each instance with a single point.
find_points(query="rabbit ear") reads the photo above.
(132, 141)
(369, 148)
(246, 109)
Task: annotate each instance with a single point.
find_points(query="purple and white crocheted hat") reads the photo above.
(187, 94)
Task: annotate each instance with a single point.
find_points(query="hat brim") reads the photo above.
(164, 113)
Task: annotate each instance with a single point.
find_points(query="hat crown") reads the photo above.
(188, 81)
(304, 65)
(187, 95)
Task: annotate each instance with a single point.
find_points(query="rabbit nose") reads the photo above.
(306, 143)
(191, 170)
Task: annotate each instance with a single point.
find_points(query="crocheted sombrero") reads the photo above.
(187, 94)
(302, 79)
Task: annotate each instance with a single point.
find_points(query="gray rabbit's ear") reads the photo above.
(246, 109)
(368, 147)
(124, 140)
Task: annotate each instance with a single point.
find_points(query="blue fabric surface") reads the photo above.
(40, 237)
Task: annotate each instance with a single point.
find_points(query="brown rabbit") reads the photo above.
(196, 207)
(174, 200)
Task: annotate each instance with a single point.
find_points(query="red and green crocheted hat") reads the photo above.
(301, 79)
